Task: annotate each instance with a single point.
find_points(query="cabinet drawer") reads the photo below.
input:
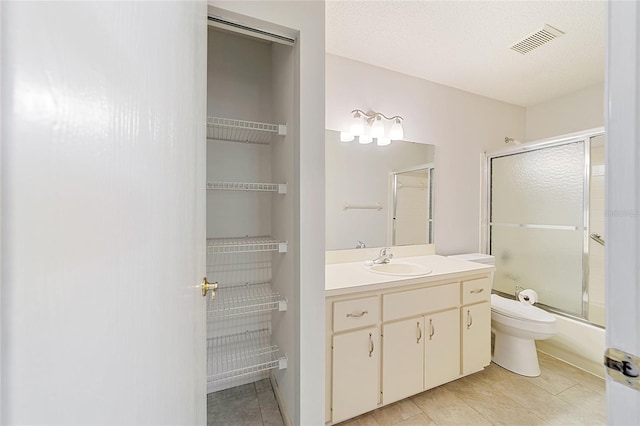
(356, 313)
(476, 290)
(424, 300)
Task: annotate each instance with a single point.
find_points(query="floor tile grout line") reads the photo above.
(259, 405)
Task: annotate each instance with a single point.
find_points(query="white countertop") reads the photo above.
(353, 277)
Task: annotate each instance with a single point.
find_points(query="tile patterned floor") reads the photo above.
(562, 395)
(253, 404)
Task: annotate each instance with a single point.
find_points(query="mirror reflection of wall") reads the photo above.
(362, 176)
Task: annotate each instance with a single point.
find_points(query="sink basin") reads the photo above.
(399, 268)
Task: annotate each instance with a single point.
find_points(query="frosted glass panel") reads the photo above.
(544, 186)
(546, 260)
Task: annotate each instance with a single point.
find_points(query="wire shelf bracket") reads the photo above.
(229, 129)
(280, 188)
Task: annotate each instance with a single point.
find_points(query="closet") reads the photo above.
(250, 233)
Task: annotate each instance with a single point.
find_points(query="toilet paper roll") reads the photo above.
(528, 296)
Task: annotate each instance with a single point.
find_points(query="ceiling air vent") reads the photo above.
(536, 39)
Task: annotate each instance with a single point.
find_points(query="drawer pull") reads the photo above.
(433, 329)
(370, 345)
(419, 332)
(477, 290)
(358, 315)
(469, 319)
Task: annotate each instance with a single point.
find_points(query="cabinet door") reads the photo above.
(403, 358)
(476, 337)
(441, 348)
(356, 373)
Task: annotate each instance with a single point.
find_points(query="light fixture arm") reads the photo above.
(370, 116)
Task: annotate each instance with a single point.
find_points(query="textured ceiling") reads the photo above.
(465, 44)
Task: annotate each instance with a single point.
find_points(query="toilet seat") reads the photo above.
(519, 310)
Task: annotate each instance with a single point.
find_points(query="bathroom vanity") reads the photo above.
(391, 336)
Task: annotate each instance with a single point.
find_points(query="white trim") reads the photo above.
(622, 217)
(280, 399)
(1, 127)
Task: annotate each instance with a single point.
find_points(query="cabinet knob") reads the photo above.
(469, 319)
(419, 332)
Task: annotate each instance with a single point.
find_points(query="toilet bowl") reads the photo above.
(517, 325)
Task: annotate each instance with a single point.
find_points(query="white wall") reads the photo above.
(577, 111)
(360, 174)
(239, 87)
(305, 398)
(461, 125)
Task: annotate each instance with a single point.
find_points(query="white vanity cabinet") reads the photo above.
(356, 369)
(475, 317)
(390, 340)
(410, 353)
(355, 348)
(403, 359)
(442, 348)
(420, 353)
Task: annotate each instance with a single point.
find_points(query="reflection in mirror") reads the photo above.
(360, 193)
(412, 220)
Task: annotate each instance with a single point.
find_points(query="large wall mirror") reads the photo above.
(378, 195)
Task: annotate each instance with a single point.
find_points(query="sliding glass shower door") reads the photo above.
(538, 223)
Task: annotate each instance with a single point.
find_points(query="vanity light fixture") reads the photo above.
(376, 128)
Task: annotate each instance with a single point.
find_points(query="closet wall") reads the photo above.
(249, 326)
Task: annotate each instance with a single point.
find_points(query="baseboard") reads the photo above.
(283, 407)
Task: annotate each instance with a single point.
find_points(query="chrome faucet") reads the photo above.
(384, 257)
(360, 245)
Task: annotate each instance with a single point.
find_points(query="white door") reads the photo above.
(623, 200)
(103, 112)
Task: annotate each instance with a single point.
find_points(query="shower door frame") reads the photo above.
(585, 137)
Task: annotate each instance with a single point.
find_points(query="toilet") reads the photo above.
(516, 326)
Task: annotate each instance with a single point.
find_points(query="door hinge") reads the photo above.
(622, 367)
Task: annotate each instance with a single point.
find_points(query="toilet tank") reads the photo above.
(486, 259)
